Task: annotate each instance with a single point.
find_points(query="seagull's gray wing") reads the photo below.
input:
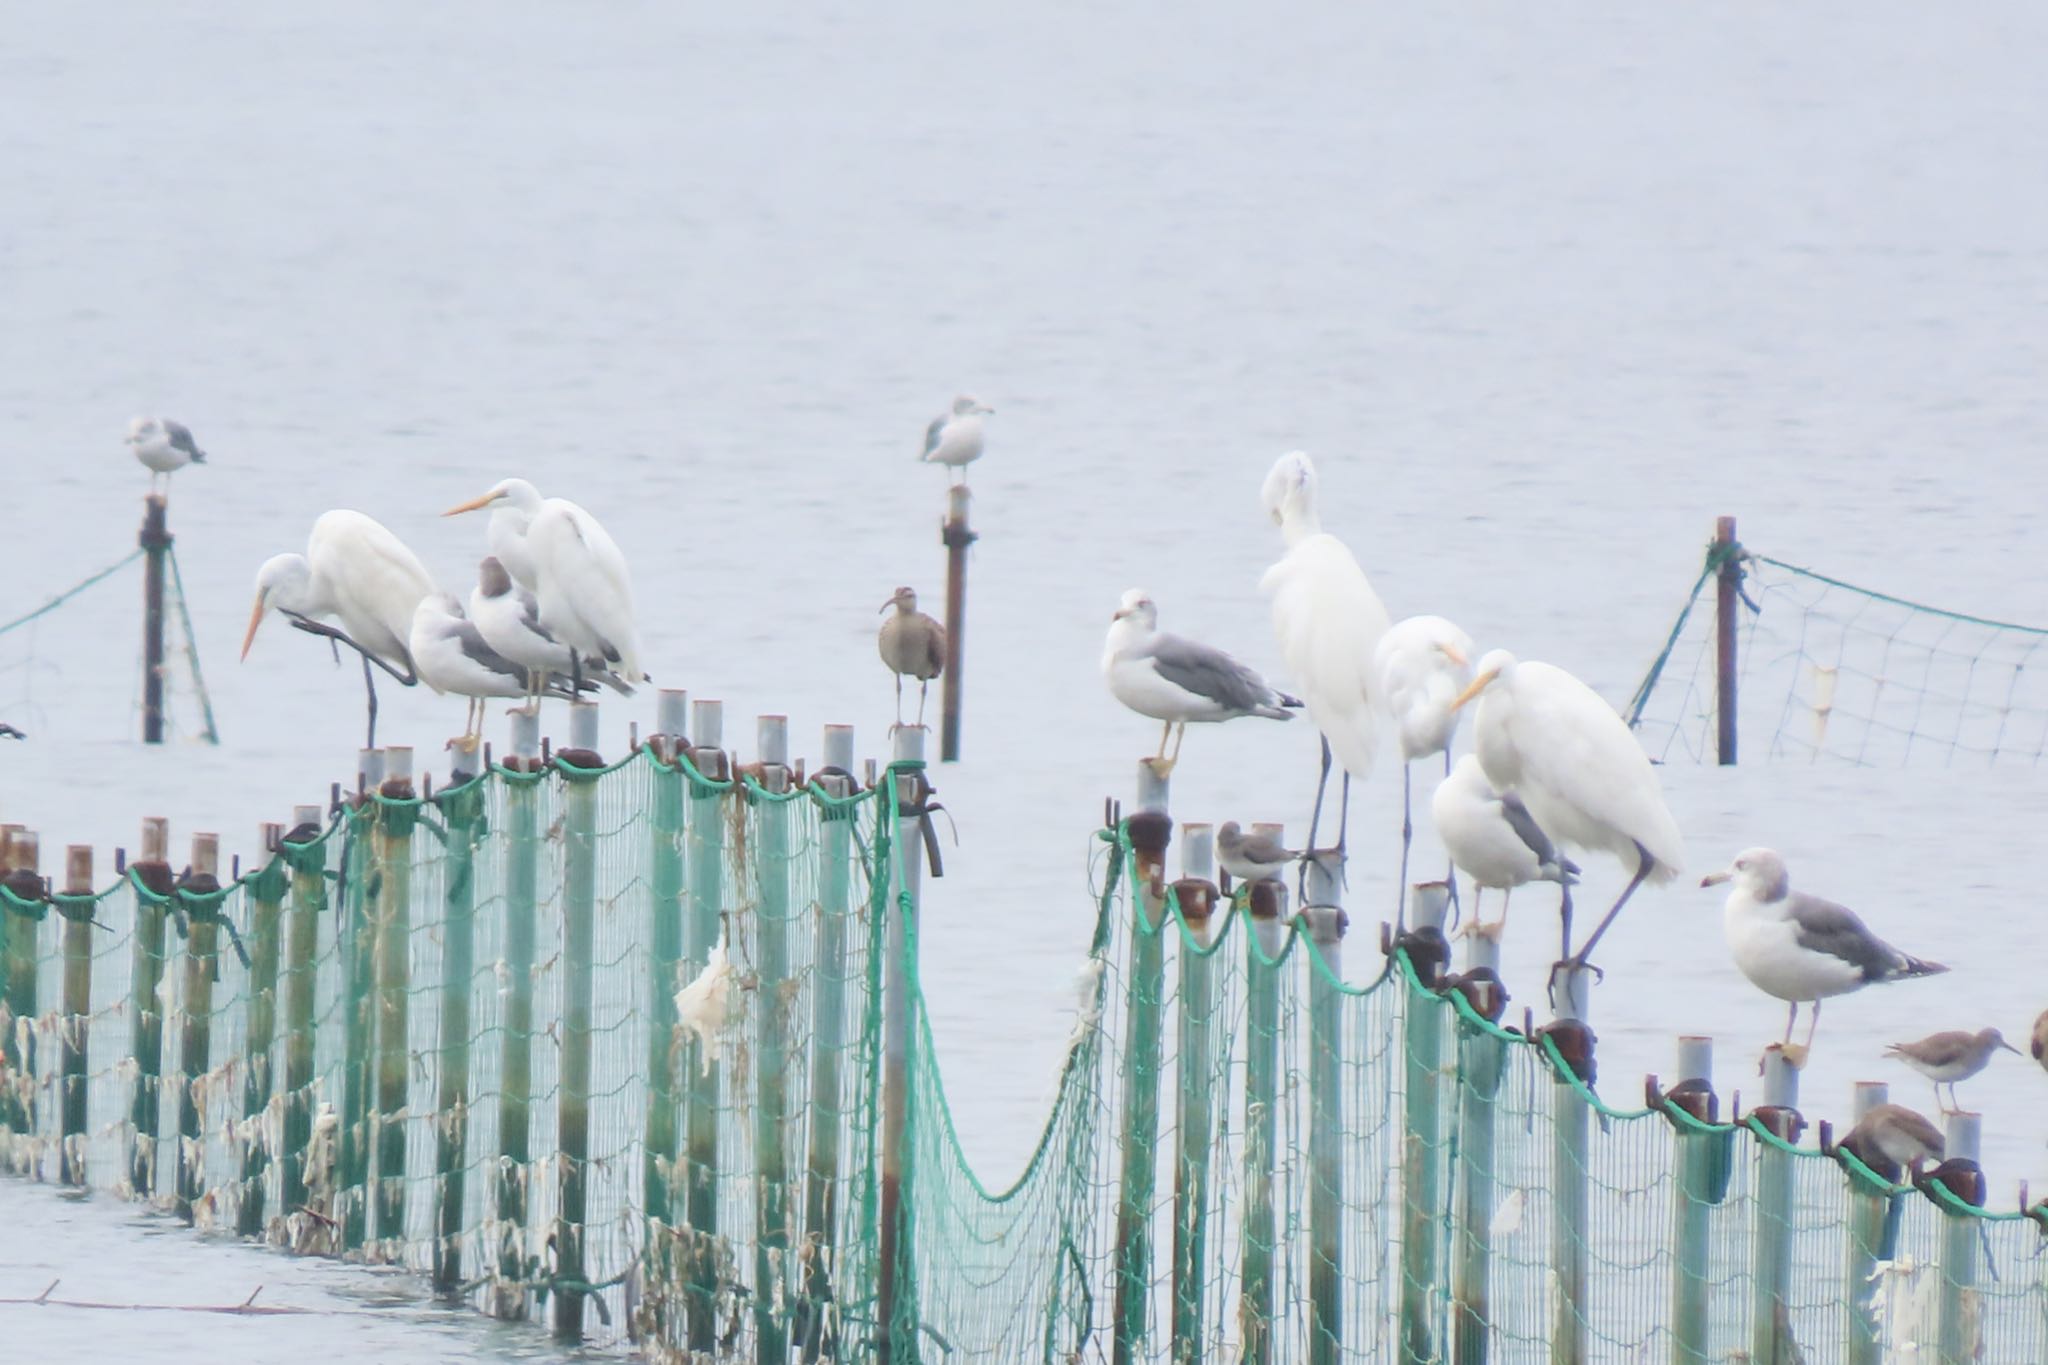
(529, 614)
(933, 432)
(1531, 834)
(1209, 672)
(472, 641)
(181, 439)
(1825, 927)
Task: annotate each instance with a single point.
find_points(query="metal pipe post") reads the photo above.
(897, 1291)
(579, 983)
(1727, 597)
(664, 958)
(152, 871)
(266, 912)
(77, 1011)
(1261, 1235)
(956, 536)
(195, 1009)
(702, 933)
(1962, 1333)
(462, 813)
(1864, 1247)
(1423, 1145)
(1144, 999)
(156, 544)
(1482, 1060)
(1693, 1200)
(1771, 1339)
(358, 1005)
(1195, 1120)
(1571, 1121)
(301, 976)
(828, 1106)
(396, 814)
(1326, 923)
(771, 1055)
(18, 994)
(515, 1062)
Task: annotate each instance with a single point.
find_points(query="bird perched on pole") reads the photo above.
(1494, 840)
(1328, 621)
(9, 732)
(1419, 668)
(163, 446)
(508, 617)
(1176, 681)
(1950, 1056)
(1252, 857)
(913, 645)
(1891, 1137)
(954, 437)
(1798, 947)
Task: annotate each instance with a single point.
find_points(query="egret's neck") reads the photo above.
(1299, 522)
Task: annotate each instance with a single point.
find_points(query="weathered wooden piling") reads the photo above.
(773, 1265)
(1571, 1123)
(156, 546)
(1961, 1331)
(358, 1004)
(151, 875)
(1194, 1088)
(1727, 600)
(1422, 1140)
(462, 812)
(1482, 1061)
(828, 1034)
(1145, 986)
(301, 977)
(397, 812)
(1771, 1340)
(515, 1058)
(664, 955)
(1261, 1234)
(78, 915)
(579, 958)
(703, 932)
(195, 1015)
(1326, 924)
(266, 910)
(1693, 1199)
(957, 536)
(896, 1299)
(1864, 1247)
(18, 985)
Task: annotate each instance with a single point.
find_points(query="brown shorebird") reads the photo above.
(1950, 1056)
(1252, 857)
(1891, 1136)
(2040, 1040)
(913, 646)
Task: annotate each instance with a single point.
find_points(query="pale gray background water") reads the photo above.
(1542, 290)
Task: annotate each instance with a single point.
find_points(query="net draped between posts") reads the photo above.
(458, 1046)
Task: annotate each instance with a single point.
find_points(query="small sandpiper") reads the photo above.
(1892, 1136)
(1252, 857)
(1950, 1056)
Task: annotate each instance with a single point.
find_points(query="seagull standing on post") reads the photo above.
(1494, 840)
(954, 438)
(452, 656)
(913, 645)
(163, 446)
(1177, 681)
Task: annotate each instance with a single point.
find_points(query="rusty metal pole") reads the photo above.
(156, 543)
(956, 535)
(1728, 590)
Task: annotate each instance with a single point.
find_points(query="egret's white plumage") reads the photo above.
(954, 437)
(1175, 680)
(162, 445)
(1419, 667)
(1492, 838)
(514, 503)
(1550, 739)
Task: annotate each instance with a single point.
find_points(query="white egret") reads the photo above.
(954, 438)
(1493, 839)
(1548, 738)
(1800, 948)
(1176, 681)
(163, 446)
(577, 574)
(359, 573)
(508, 618)
(452, 656)
(1419, 668)
(1329, 622)
(913, 645)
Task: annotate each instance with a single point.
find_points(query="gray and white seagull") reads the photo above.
(1177, 681)
(163, 446)
(954, 437)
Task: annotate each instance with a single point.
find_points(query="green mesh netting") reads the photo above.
(1830, 671)
(605, 1050)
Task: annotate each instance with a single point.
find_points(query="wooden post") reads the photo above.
(77, 1011)
(195, 1011)
(1261, 1234)
(1693, 1206)
(1961, 1333)
(358, 1008)
(1144, 1001)
(897, 1293)
(152, 870)
(1727, 597)
(664, 957)
(956, 535)
(1482, 1062)
(1571, 1123)
(462, 813)
(18, 995)
(301, 978)
(828, 1033)
(1195, 1120)
(1864, 1247)
(266, 901)
(772, 1262)
(156, 544)
(1422, 1143)
(1771, 1341)
(702, 933)
(515, 1057)
(1326, 923)
(579, 958)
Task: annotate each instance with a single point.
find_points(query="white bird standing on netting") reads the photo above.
(163, 446)
(360, 573)
(1550, 739)
(912, 645)
(1177, 681)
(452, 656)
(1800, 948)
(1329, 622)
(508, 617)
(1421, 665)
(1494, 840)
(954, 438)
(709, 1005)
(577, 574)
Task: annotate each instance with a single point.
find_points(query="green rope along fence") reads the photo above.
(1829, 671)
(602, 1047)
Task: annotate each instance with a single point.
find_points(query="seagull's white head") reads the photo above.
(515, 493)
(1289, 493)
(967, 405)
(1759, 871)
(284, 583)
(1497, 664)
(139, 429)
(1138, 608)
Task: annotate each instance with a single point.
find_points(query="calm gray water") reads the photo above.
(1542, 290)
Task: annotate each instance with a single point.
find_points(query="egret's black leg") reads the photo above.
(1314, 821)
(1451, 868)
(1644, 864)
(370, 689)
(1407, 836)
